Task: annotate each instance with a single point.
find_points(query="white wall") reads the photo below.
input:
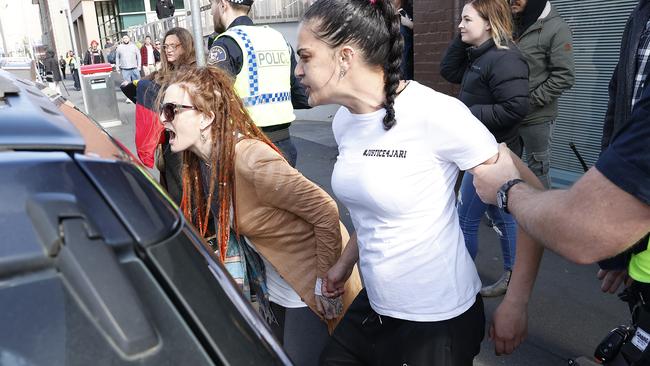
(60, 27)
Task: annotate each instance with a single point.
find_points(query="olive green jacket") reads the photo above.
(548, 48)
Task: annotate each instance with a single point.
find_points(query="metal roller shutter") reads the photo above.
(597, 27)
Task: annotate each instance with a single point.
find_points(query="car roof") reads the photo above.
(29, 120)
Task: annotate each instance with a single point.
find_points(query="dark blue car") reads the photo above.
(97, 265)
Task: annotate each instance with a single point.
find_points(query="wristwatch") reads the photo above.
(502, 194)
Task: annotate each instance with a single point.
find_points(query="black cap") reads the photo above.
(242, 2)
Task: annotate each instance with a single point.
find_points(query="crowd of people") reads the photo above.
(402, 288)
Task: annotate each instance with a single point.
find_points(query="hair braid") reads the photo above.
(373, 27)
(393, 61)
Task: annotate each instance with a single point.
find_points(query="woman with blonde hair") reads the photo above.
(266, 214)
(494, 85)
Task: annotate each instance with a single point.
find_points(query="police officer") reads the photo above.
(262, 62)
(601, 215)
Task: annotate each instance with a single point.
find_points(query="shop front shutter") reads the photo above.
(597, 27)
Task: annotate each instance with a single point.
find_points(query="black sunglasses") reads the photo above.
(169, 110)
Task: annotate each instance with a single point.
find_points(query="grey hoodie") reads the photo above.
(127, 56)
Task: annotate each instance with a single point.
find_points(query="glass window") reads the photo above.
(130, 6)
(134, 19)
(178, 4)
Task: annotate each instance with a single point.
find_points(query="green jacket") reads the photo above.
(547, 47)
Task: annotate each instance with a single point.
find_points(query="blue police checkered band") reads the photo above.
(242, 2)
(253, 82)
(267, 98)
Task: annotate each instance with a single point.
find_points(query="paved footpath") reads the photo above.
(568, 315)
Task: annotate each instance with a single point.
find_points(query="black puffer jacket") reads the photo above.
(494, 85)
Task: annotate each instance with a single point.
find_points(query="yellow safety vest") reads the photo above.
(264, 82)
(639, 267)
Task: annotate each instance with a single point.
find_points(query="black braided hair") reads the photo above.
(373, 26)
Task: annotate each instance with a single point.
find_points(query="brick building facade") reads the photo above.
(435, 25)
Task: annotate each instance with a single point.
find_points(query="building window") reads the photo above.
(107, 23)
(178, 4)
(277, 11)
(130, 6)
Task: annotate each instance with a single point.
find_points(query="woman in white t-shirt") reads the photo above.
(401, 146)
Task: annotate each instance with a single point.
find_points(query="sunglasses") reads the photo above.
(169, 110)
(172, 47)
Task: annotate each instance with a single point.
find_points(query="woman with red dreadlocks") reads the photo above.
(284, 227)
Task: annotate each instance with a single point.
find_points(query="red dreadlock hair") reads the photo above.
(211, 90)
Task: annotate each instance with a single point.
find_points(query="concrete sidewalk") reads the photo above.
(568, 315)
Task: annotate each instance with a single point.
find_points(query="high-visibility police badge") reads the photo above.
(217, 54)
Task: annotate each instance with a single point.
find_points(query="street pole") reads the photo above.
(197, 29)
(5, 51)
(71, 29)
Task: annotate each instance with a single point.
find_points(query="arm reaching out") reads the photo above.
(510, 320)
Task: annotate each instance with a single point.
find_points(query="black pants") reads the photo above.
(75, 77)
(301, 333)
(365, 338)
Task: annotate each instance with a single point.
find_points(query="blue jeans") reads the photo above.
(470, 212)
(130, 74)
(288, 149)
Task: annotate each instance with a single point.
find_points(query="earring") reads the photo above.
(203, 138)
(342, 73)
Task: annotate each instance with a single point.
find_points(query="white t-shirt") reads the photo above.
(280, 292)
(399, 188)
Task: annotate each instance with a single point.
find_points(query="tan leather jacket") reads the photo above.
(293, 223)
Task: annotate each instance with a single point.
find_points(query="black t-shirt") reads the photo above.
(626, 162)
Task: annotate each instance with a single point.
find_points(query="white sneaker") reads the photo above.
(498, 288)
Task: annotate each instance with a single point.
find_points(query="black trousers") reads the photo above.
(301, 333)
(365, 338)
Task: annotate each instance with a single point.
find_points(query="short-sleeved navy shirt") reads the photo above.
(626, 162)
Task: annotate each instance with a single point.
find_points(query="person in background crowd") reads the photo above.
(290, 229)
(494, 85)
(274, 91)
(52, 71)
(165, 9)
(109, 43)
(62, 65)
(401, 146)
(156, 45)
(178, 56)
(73, 64)
(149, 56)
(127, 59)
(405, 11)
(544, 40)
(93, 55)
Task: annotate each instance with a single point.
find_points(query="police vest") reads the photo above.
(264, 82)
(639, 266)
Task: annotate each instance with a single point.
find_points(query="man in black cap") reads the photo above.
(262, 62)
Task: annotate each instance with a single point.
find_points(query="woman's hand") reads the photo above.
(334, 282)
(329, 308)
